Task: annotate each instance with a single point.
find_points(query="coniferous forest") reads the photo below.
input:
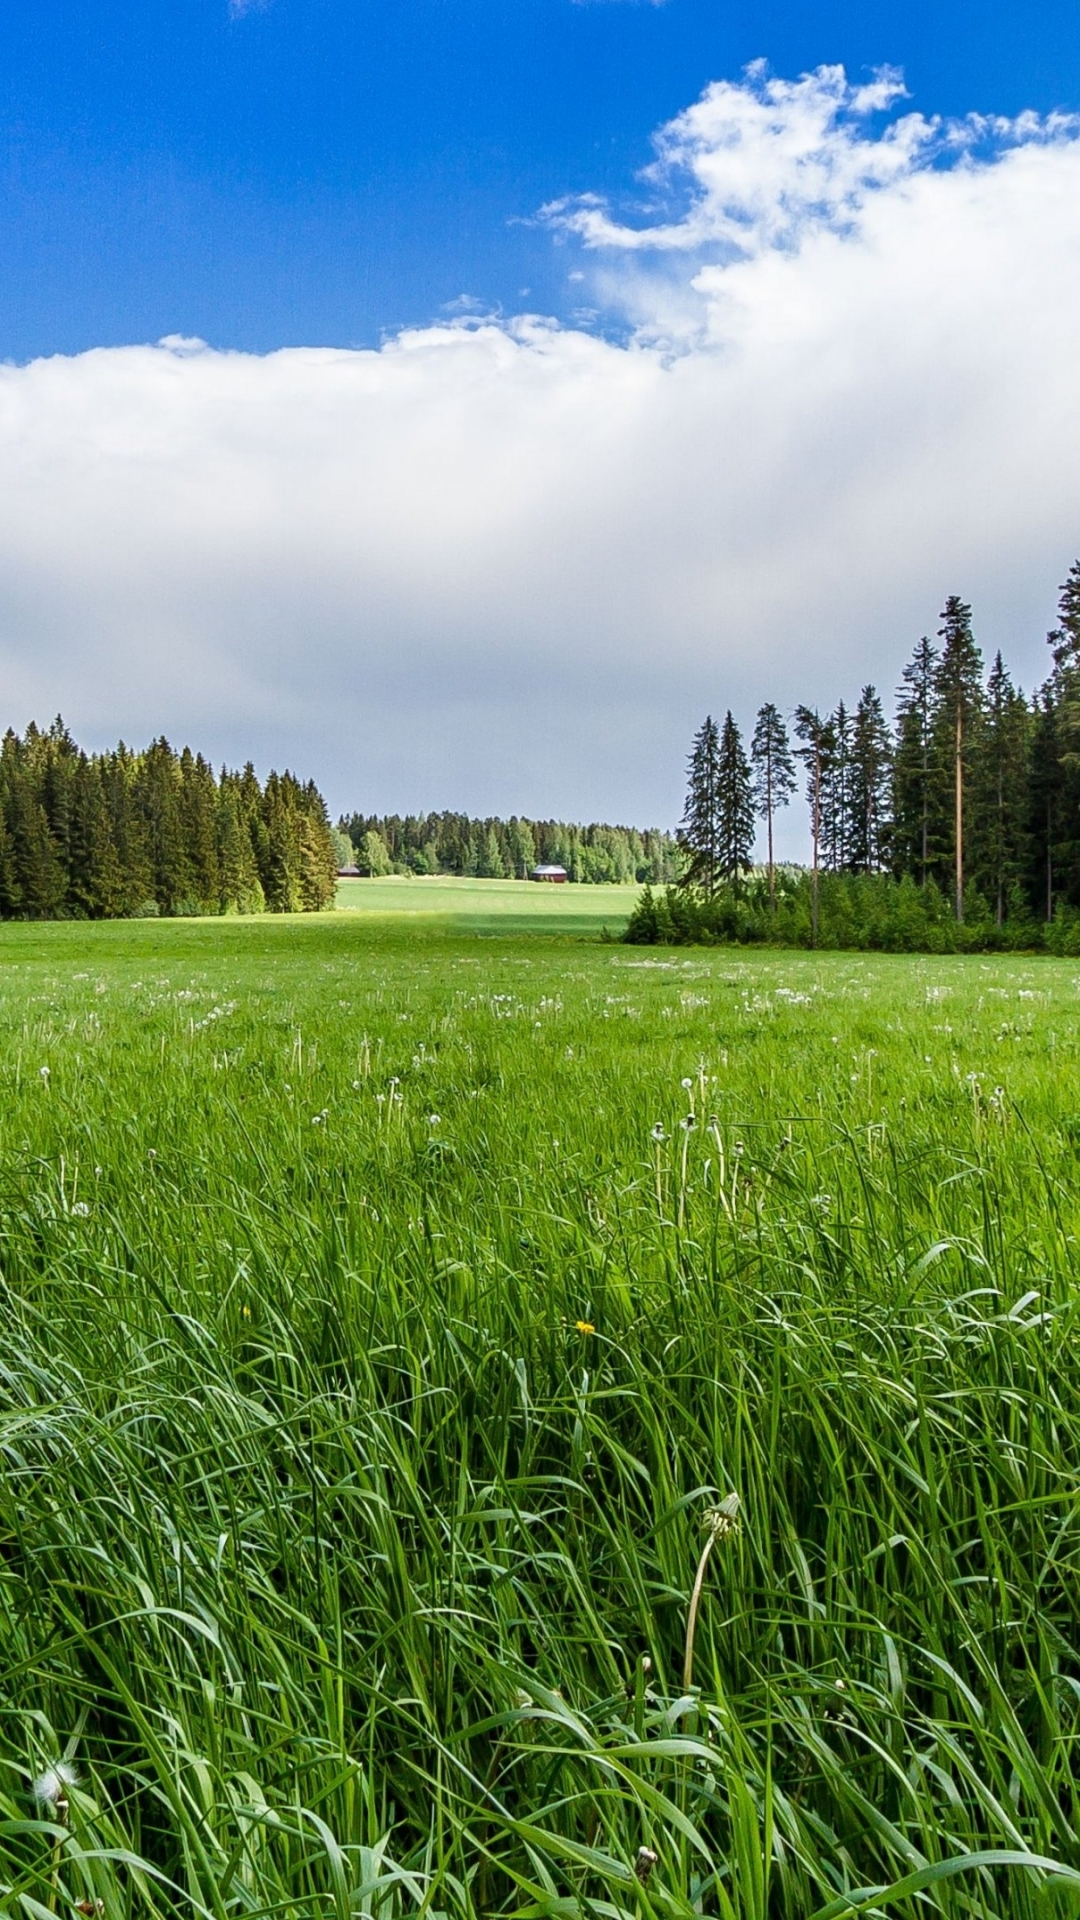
(957, 826)
(494, 849)
(124, 834)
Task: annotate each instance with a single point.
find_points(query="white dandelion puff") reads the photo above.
(51, 1788)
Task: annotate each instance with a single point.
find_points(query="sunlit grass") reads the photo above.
(386, 1314)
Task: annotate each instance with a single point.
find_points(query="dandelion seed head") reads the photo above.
(658, 1133)
(644, 1863)
(724, 1517)
(51, 1788)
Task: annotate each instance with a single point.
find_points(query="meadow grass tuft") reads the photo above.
(389, 1321)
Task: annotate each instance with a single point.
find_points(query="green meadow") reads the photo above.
(492, 906)
(499, 1423)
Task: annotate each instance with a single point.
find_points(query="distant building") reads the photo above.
(348, 873)
(555, 875)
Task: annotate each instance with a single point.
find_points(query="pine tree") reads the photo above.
(999, 790)
(1045, 794)
(836, 797)
(958, 706)
(870, 781)
(699, 834)
(1067, 649)
(1063, 692)
(813, 733)
(913, 764)
(97, 883)
(773, 776)
(734, 805)
(198, 808)
(238, 873)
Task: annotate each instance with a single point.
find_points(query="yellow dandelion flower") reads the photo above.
(584, 1326)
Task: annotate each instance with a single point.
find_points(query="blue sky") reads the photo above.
(725, 432)
(322, 171)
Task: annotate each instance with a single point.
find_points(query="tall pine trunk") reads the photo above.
(959, 812)
(769, 814)
(817, 844)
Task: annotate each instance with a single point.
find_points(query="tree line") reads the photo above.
(494, 849)
(968, 801)
(121, 834)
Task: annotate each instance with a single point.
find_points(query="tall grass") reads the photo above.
(384, 1321)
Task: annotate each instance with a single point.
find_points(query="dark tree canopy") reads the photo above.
(110, 835)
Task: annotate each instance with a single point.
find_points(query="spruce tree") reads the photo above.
(999, 788)
(958, 706)
(836, 798)
(773, 776)
(913, 764)
(870, 782)
(734, 805)
(699, 833)
(812, 731)
(1045, 795)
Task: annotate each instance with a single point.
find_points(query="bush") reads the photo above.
(863, 912)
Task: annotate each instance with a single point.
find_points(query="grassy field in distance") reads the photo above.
(475, 905)
(385, 1314)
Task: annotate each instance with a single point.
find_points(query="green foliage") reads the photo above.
(368, 1382)
(872, 912)
(700, 832)
(454, 843)
(115, 835)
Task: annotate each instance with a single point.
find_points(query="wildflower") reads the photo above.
(688, 1122)
(644, 1864)
(44, 1072)
(687, 1084)
(246, 1312)
(51, 1788)
(434, 1120)
(584, 1326)
(658, 1133)
(724, 1517)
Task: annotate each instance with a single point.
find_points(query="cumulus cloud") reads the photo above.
(510, 564)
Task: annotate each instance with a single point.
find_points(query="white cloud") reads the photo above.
(510, 565)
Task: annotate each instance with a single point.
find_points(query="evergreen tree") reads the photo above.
(773, 776)
(699, 834)
(869, 785)
(734, 805)
(96, 888)
(489, 864)
(958, 707)
(835, 747)
(1000, 791)
(199, 827)
(1045, 797)
(913, 764)
(813, 732)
